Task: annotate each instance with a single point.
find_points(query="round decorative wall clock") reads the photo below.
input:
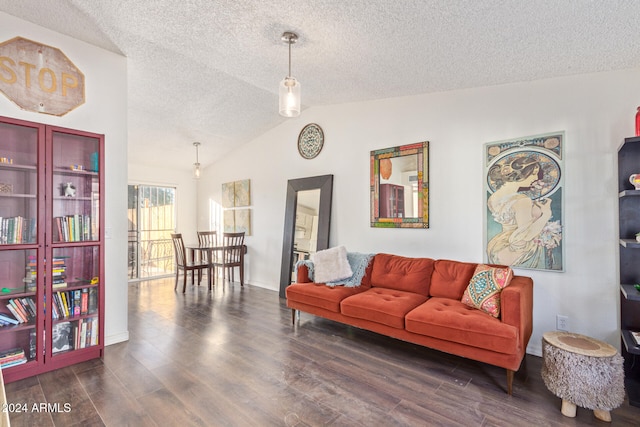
(310, 141)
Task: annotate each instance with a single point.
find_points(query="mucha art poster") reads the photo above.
(524, 202)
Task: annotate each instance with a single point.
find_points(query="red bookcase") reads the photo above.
(51, 247)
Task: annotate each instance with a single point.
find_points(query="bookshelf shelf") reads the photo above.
(629, 343)
(630, 293)
(629, 193)
(630, 243)
(11, 166)
(14, 328)
(71, 199)
(18, 196)
(45, 271)
(69, 172)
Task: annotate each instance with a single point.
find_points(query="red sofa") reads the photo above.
(419, 300)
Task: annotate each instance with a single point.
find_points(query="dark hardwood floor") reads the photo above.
(232, 358)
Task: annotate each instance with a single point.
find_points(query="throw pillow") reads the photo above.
(358, 263)
(331, 265)
(485, 287)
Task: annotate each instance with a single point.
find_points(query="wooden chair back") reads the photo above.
(207, 238)
(178, 246)
(233, 245)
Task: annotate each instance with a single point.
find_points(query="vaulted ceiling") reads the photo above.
(208, 70)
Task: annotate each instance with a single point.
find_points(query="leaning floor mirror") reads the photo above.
(400, 186)
(306, 223)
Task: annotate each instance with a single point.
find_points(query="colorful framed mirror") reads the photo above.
(400, 186)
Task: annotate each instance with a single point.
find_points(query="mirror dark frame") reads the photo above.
(421, 149)
(325, 184)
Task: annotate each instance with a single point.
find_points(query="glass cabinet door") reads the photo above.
(18, 307)
(18, 184)
(75, 298)
(75, 236)
(20, 322)
(75, 187)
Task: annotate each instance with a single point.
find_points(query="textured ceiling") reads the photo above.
(208, 70)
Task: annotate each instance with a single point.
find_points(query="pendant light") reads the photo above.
(289, 86)
(196, 165)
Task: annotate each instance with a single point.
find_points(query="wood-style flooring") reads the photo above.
(232, 358)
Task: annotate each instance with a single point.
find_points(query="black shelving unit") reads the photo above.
(629, 258)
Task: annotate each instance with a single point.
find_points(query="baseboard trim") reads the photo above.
(115, 339)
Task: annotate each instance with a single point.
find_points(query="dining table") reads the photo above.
(212, 260)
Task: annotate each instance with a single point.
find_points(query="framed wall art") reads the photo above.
(524, 197)
(236, 197)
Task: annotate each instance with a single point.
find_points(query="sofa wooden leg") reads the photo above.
(293, 316)
(510, 375)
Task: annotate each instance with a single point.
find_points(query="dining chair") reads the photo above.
(232, 255)
(207, 238)
(183, 263)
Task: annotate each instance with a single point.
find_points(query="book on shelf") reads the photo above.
(73, 228)
(57, 306)
(65, 303)
(14, 313)
(24, 307)
(28, 307)
(8, 320)
(93, 300)
(59, 272)
(12, 357)
(61, 337)
(75, 335)
(33, 338)
(21, 309)
(17, 229)
(86, 332)
(84, 301)
(76, 302)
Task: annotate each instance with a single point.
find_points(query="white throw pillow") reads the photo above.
(331, 265)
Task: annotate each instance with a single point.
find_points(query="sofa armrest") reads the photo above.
(303, 274)
(517, 307)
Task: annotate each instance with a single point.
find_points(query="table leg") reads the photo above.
(602, 415)
(211, 270)
(568, 409)
(242, 267)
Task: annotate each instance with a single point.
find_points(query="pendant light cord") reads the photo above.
(289, 57)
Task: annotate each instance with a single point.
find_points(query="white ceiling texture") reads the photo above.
(208, 70)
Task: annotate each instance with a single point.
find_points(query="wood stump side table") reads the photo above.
(582, 371)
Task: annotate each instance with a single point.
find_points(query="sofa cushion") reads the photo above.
(331, 265)
(404, 274)
(319, 295)
(381, 305)
(451, 320)
(485, 287)
(451, 278)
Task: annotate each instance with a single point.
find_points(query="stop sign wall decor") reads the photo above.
(39, 78)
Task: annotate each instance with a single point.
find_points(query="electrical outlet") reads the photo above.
(562, 322)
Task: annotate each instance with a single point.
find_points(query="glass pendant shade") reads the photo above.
(289, 97)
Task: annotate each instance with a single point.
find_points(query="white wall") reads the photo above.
(596, 111)
(186, 191)
(104, 112)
